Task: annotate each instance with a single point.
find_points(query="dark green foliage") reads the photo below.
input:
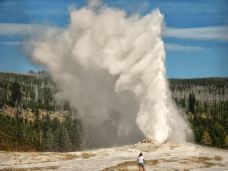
(206, 103)
(206, 139)
(191, 103)
(42, 135)
(34, 91)
(15, 94)
(29, 90)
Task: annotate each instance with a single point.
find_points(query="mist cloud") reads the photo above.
(110, 67)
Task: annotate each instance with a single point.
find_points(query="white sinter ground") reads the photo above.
(169, 156)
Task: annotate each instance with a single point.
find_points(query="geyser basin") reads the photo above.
(110, 67)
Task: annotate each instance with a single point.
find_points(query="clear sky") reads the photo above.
(195, 32)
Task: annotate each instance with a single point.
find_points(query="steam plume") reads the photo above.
(110, 67)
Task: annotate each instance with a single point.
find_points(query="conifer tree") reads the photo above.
(206, 139)
(16, 93)
(226, 141)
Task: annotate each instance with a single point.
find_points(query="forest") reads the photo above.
(205, 104)
(31, 120)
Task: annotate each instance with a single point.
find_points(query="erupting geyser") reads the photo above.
(110, 67)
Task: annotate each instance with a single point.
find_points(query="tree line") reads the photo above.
(18, 134)
(204, 102)
(42, 133)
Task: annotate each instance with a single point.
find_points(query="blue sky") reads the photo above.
(195, 33)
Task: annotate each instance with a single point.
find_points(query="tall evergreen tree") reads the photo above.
(206, 139)
(191, 103)
(15, 93)
(226, 141)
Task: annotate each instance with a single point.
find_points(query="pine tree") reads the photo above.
(217, 134)
(67, 146)
(226, 141)
(191, 103)
(206, 139)
(16, 93)
(49, 141)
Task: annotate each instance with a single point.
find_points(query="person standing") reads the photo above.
(140, 161)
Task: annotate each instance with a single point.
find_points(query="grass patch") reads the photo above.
(69, 156)
(151, 162)
(87, 155)
(205, 162)
(218, 158)
(131, 164)
(30, 169)
(121, 167)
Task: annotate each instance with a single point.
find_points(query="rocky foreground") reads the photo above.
(169, 156)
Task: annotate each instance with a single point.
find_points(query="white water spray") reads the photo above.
(110, 67)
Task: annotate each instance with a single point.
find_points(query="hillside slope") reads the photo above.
(28, 105)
